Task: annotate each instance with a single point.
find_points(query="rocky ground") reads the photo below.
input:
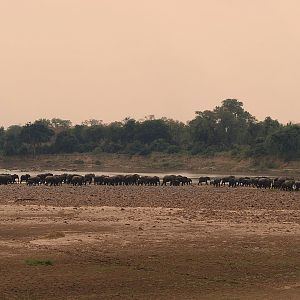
(194, 242)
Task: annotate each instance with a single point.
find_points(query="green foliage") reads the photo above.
(228, 127)
(223, 127)
(65, 142)
(57, 123)
(12, 140)
(285, 143)
(34, 134)
(2, 138)
(38, 262)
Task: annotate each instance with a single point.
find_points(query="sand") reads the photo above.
(129, 242)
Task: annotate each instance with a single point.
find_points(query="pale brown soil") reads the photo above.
(195, 242)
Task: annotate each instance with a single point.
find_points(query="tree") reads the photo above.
(60, 124)
(92, 122)
(65, 142)
(12, 140)
(130, 127)
(2, 139)
(233, 122)
(114, 132)
(227, 127)
(178, 131)
(204, 128)
(34, 134)
(269, 126)
(285, 142)
(151, 130)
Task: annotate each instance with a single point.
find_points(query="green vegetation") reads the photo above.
(78, 162)
(226, 128)
(37, 262)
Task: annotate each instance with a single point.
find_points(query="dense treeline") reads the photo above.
(225, 128)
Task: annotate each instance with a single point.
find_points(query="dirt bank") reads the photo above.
(219, 164)
(149, 243)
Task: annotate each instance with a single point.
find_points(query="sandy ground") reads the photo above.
(194, 242)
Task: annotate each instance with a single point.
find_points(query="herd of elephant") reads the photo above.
(282, 183)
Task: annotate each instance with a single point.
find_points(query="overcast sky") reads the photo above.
(109, 59)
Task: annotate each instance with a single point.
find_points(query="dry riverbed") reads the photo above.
(195, 242)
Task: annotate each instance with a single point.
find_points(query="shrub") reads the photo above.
(37, 262)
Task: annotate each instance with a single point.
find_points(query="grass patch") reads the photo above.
(38, 262)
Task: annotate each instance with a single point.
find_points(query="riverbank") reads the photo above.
(132, 242)
(175, 163)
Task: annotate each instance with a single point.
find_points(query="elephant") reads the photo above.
(119, 179)
(203, 180)
(226, 179)
(36, 180)
(69, 178)
(88, 178)
(107, 180)
(254, 181)
(247, 181)
(149, 180)
(114, 180)
(15, 178)
(54, 180)
(264, 182)
(43, 176)
(77, 180)
(143, 180)
(49, 180)
(131, 179)
(168, 178)
(64, 177)
(244, 181)
(184, 180)
(175, 182)
(233, 182)
(288, 185)
(5, 179)
(216, 182)
(154, 180)
(278, 182)
(24, 178)
(99, 180)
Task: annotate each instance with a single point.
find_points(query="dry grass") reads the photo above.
(156, 162)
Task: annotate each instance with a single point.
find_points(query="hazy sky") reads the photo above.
(109, 59)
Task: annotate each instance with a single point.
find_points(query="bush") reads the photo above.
(285, 143)
(98, 150)
(37, 262)
(173, 149)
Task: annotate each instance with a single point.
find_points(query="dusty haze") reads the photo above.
(107, 59)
